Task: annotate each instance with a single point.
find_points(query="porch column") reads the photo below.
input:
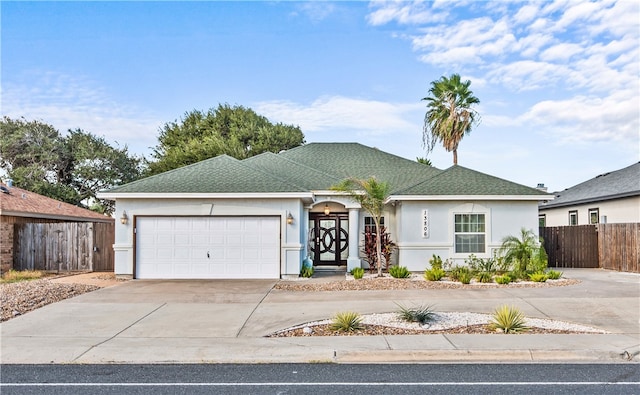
(353, 260)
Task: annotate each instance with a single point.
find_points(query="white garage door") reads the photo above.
(207, 247)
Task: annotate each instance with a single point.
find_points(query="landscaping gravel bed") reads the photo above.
(373, 283)
(24, 296)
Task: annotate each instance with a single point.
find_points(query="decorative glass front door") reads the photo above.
(329, 239)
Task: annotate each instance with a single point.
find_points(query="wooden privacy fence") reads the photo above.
(64, 247)
(618, 247)
(607, 246)
(571, 246)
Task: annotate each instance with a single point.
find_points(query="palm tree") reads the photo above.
(449, 114)
(520, 251)
(371, 194)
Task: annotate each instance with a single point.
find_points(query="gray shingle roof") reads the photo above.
(616, 184)
(458, 180)
(222, 174)
(318, 166)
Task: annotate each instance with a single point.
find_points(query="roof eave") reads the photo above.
(188, 195)
(470, 197)
(26, 214)
(590, 200)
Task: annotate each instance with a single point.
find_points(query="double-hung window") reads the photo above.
(470, 233)
(370, 224)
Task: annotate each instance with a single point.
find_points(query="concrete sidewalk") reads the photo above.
(226, 321)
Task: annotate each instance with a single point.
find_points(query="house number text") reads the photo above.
(425, 224)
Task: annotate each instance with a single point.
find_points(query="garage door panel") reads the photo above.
(237, 247)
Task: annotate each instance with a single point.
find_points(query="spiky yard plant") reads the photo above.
(434, 274)
(357, 273)
(399, 272)
(538, 277)
(554, 274)
(508, 319)
(346, 321)
(504, 279)
(306, 271)
(484, 277)
(465, 277)
(421, 314)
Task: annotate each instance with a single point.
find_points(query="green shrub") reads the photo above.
(357, 273)
(434, 274)
(346, 321)
(538, 277)
(435, 262)
(457, 271)
(554, 274)
(399, 272)
(465, 277)
(484, 277)
(504, 279)
(306, 271)
(508, 319)
(518, 275)
(419, 314)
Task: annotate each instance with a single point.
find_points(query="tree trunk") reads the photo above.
(455, 156)
(378, 247)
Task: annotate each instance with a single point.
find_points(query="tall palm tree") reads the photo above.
(449, 114)
(371, 194)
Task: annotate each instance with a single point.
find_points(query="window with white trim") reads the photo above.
(370, 224)
(594, 216)
(573, 218)
(469, 232)
(542, 220)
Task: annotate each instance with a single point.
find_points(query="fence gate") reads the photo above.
(62, 247)
(571, 246)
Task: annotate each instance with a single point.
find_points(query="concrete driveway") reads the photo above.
(226, 321)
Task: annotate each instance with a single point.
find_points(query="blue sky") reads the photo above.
(558, 81)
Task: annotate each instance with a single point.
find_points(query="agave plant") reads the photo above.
(508, 319)
(347, 321)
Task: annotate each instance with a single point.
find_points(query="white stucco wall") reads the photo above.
(290, 243)
(502, 218)
(626, 210)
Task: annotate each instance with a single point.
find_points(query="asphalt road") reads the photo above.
(322, 379)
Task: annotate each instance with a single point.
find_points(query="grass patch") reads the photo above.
(14, 276)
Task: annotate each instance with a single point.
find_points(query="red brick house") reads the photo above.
(18, 206)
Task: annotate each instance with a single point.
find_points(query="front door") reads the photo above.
(329, 239)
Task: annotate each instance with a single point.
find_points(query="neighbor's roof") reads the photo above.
(18, 202)
(613, 185)
(316, 167)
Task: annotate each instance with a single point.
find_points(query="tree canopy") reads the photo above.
(71, 168)
(449, 114)
(235, 131)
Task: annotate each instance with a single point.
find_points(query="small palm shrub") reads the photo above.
(508, 319)
(484, 277)
(538, 277)
(504, 279)
(346, 321)
(357, 273)
(419, 314)
(399, 272)
(434, 274)
(554, 274)
(306, 271)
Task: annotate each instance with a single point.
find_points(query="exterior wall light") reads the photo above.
(124, 219)
(326, 209)
(289, 219)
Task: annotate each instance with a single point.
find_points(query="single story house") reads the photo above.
(261, 217)
(19, 206)
(612, 197)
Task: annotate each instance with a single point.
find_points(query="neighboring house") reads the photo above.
(612, 197)
(260, 217)
(19, 206)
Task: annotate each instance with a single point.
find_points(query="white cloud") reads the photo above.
(315, 11)
(561, 52)
(333, 113)
(402, 12)
(589, 119)
(67, 102)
